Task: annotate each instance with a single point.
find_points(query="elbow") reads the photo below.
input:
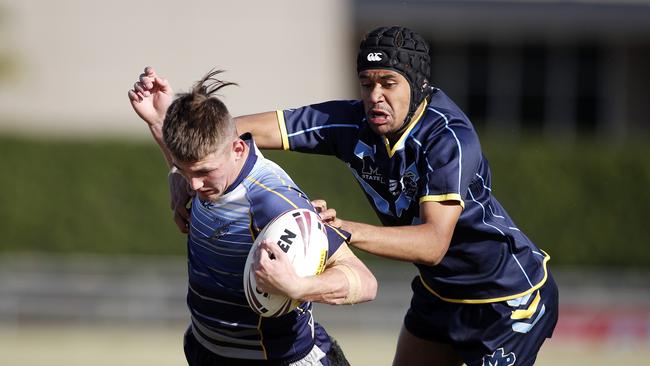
(371, 290)
(432, 258)
(364, 290)
(430, 261)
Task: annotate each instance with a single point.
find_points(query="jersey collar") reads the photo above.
(400, 141)
(251, 159)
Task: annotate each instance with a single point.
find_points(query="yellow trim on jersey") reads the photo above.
(259, 329)
(283, 129)
(390, 151)
(272, 191)
(443, 197)
(496, 299)
(253, 230)
(345, 238)
(527, 313)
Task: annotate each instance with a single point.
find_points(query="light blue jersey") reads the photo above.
(221, 235)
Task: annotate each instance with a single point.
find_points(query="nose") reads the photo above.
(196, 183)
(376, 94)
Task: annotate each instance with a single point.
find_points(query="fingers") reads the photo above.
(148, 76)
(141, 88)
(149, 71)
(319, 205)
(163, 85)
(328, 215)
(134, 97)
(138, 93)
(147, 82)
(273, 250)
(151, 81)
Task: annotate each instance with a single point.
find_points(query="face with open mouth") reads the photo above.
(386, 95)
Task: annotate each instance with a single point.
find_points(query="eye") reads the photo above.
(206, 172)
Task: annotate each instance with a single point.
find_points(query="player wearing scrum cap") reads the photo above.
(484, 294)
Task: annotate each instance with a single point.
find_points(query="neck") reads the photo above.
(393, 137)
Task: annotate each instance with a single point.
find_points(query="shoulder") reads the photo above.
(271, 192)
(267, 177)
(349, 105)
(446, 122)
(447, 134)
(351, 110)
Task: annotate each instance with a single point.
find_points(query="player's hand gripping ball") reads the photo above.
(302, 236)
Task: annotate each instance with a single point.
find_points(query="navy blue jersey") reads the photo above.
(221, 235)
(438, 158)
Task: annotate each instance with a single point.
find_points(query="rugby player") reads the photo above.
(238, 192)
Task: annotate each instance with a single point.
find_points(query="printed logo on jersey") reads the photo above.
(499, 358)
(222, 228)
(405, 189)
(407, 185)
(369, 170)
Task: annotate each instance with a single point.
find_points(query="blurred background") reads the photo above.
(92, 269)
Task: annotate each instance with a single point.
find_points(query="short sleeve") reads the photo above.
(327, 128)
(335, 237)
(450, 161)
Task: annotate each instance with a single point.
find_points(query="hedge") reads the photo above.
(583, 202)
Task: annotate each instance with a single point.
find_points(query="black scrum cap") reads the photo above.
(402, 50)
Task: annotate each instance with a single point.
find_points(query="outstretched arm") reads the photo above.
(264, 128)
(346, 280)
(426, 243)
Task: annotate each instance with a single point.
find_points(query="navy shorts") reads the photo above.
(502, 333)
(197, 355)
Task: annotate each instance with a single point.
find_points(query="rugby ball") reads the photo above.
(302, 236)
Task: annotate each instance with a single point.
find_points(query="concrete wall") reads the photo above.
(74, 60)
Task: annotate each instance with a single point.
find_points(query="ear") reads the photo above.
(238, 147)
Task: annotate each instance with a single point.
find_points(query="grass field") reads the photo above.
(79, 345)
(96, 312)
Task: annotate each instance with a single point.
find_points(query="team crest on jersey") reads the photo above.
(405, 189)
(499, 358)
(222, 229)
(407, 185)
(369, 170)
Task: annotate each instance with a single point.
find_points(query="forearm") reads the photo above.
(157, 134)
(329, 287)
(335, 287)
(416, 243)
(264, 128)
